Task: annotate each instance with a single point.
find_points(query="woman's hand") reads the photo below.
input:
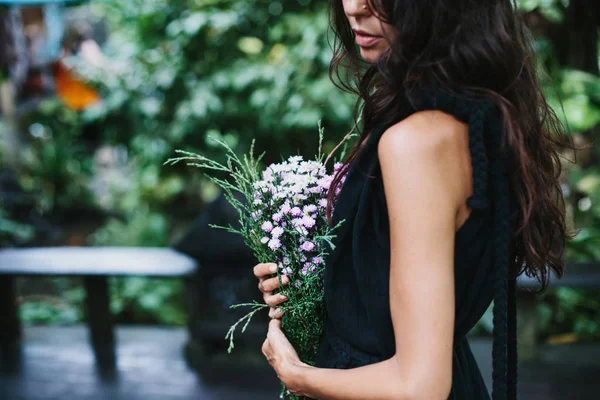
(283, 358)
(267, 285)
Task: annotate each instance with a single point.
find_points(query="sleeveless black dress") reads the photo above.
(359, 328)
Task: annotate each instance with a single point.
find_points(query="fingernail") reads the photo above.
(278, 311)
(285, 279)
(273, 268)
(283, 296)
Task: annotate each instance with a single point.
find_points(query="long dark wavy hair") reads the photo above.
(476, 46)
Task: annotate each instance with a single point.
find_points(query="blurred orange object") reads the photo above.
(565, 338)
(76, 95)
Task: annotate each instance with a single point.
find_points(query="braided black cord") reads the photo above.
(512, 339)
(504, 378)
(499, 352)
(504, 352)
(479, 199)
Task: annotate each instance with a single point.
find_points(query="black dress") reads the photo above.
(359, 327)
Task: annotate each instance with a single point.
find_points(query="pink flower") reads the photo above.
(307, 246)
(277, 232)
(317, 260)
(311, 208)
(277, 217)
(301, 230)
(308, 221)
(267, 226)
(323, 203)
(256, 215)
(324, 182)
(296, 212)
(274, 244)
(285, 208)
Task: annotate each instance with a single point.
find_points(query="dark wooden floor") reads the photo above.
(58, 365)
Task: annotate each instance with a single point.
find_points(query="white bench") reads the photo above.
(94, 265)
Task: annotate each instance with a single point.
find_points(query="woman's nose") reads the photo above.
(355, 8)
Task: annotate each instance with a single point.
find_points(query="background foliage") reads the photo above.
(178, 71)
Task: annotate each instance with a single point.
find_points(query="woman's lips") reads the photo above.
(364, 40)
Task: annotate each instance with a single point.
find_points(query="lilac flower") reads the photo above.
(277, 232)
(324, 182)
(297, 199)
(304, 270)
(267, 226)
(317, 260)
(277, 217)
(316, 190)
(323, 203)
(337, 166)
(267, 174)
(311, 208)
(298, 283)
(307, 246)
(274, 244)
(285, 208)
(296, 211)
(308, 221)
(301, 230)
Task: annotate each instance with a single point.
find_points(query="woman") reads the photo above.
(449, 195)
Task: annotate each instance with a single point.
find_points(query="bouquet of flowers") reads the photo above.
(282, 219)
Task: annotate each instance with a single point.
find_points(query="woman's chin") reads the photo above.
(370, 55)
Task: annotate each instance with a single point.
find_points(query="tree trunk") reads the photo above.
(583, 20)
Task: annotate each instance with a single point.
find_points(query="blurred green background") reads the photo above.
(82, 163)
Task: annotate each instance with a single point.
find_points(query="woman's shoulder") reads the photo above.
(426, 129)
(428, 148)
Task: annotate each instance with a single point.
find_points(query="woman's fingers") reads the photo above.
(271, 284)
(274, 299)
(275, 313)
(264, 269)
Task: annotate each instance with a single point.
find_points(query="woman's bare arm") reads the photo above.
(427, 178)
